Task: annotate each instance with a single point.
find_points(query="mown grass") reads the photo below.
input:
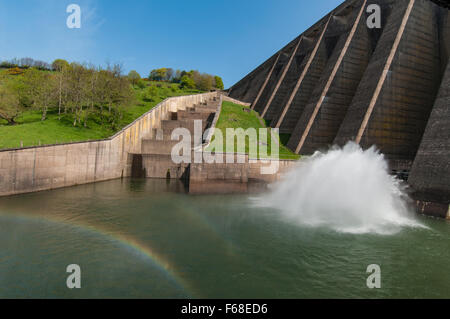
(31, 131)
(237, 116)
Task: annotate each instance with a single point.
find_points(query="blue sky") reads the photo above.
(229, 38)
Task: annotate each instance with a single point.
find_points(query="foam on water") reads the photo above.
(346, 189)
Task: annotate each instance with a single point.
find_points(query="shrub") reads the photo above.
(59, 64)
(15, 71)
(164, 92)
(134, 77)
(219, 83)
(205, 83)
(141, 84)
(9, 105)
(7, 65)
(151, 93)
(187, 82)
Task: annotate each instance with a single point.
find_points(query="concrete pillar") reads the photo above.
(302, 75)
(265, 82)
(331, 78)
(386, 69)
(396, 94)
(286, 69)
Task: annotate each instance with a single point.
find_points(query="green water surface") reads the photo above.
(150, 239)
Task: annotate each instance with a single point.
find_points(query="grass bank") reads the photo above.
(236, 116)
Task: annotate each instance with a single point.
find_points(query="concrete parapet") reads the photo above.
(249, 171)
(229, 99)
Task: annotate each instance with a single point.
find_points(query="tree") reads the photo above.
(29, 87)
(218, 82)
(121, 94)
(46, 93)
(134, 77)
(77, 91)
(59, 65)
(26, 62)
(205, 82)
(103, 89)
(196, 76)
(40, 90)
(177, 77)
(158, 74)
(187, 82)
(151, 93)
(141, 84)
(169, 74)
(9, 104)
(8, 65)
(41, 65)
(62, 69)
(183, 73)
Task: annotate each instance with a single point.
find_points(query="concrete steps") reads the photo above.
(163, 147)
(170, 125)
(156, 150)
(195, 115)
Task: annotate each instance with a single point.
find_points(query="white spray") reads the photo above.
(346, 189)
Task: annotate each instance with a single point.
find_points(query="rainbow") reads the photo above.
(202, 221)
(125, 242)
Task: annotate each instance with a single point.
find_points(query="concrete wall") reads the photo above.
(48, 167)
(430, 174)
(229, 99)
(249, 171)
(231, 178)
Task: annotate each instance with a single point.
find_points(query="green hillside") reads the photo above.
(31, 130)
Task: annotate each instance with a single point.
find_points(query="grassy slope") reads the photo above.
(31, 131)
(237, 116)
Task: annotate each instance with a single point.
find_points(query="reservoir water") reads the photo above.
(150, 239)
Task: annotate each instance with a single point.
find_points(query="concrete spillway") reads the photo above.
(388, 85)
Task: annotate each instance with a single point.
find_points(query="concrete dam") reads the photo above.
(375, 72)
